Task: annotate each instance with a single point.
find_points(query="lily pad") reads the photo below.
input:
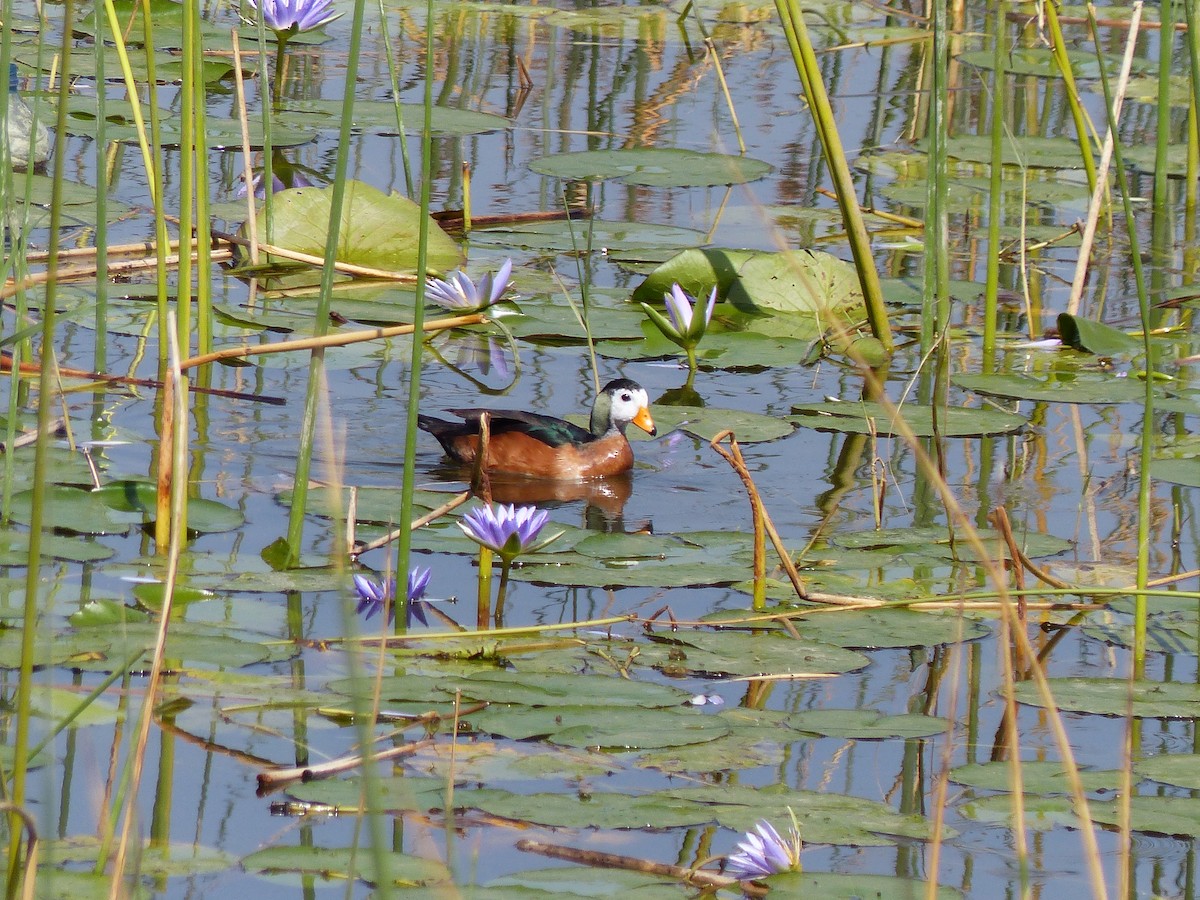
(866, 724)
(14, 548)
(502, 687)
(616, 729)
(379, 231)
(836, 886)
(728, 653)
(827, 818)
(348, 862)
(1037, 777)
(1179, 769)
(611, 235)
(205, 516)
(1058, 387)
(1185, 471)
(601, 809)
(653, 167)
(706, 422)
(1174, 816)
(1090, 336)
(806, 281)
(858, 417)
(74, 509)
(1118, 697)
(379, 116)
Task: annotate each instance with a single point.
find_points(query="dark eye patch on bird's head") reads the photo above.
(626, 397)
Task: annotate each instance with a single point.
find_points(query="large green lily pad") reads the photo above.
(378, 230)
(796, 281)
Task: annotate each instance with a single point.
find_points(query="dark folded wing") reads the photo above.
(547, 429)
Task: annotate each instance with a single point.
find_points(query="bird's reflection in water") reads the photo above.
(604, 499)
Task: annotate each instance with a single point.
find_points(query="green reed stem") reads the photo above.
(47, 404)
(100, 330)
(204, 265)
(316, 364)
(483, 601)
(1149, 425)
(805, 59)
(1192, 39)
(995, 182)
(394, 76)
(585, 283)
(502, 592)
(936, 314)
(1084, 130)
(1162, 145)
(404, 544)
(187, 178)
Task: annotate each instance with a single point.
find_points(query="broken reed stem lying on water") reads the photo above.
(696, 877)
(273, 779)
(119, 267)
(331, 340)
(359, 548)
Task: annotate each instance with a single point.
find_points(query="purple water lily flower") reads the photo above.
(764, 853)
(374, 596)
(681, 306)
(687, 325)
(294, 16)
(506, 530)
(458, 292)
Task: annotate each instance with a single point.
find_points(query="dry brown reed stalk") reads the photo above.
(763, 526)
(116, 267)
(175, 403)
(1106, 155)
(998, 518)
(34, 367)
(275, 779)
(247, 170)
(331, 340)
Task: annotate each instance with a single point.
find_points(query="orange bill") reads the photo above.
(645, 421)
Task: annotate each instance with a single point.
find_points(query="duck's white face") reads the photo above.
(632, 405)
